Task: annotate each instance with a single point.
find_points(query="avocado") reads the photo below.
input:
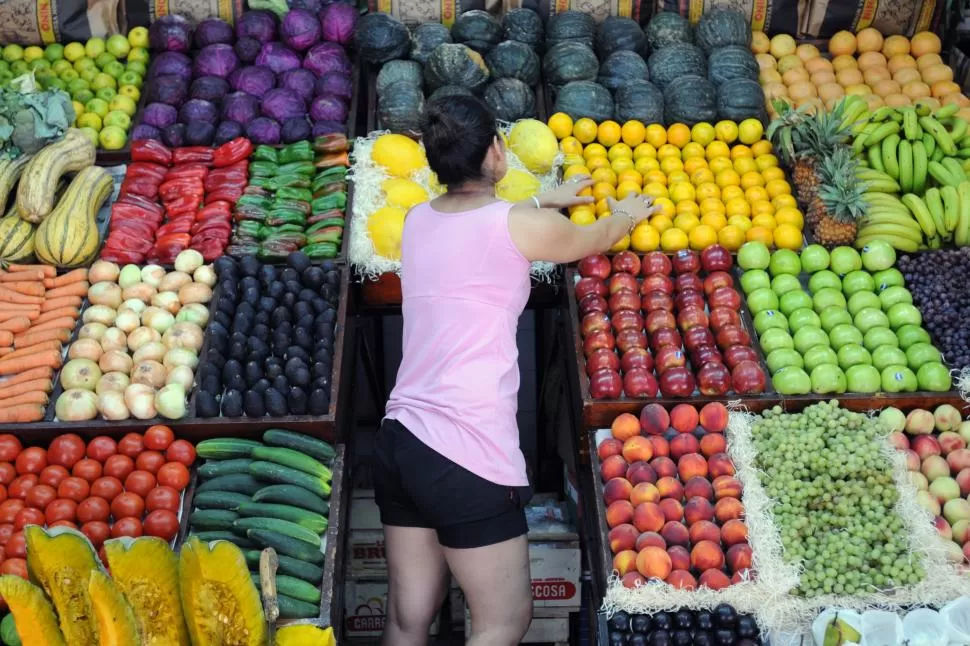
(225, 264)
(254, 405)
(262, 318)
(261, 386)
(320, 305)
(298, 261)
(247, 310)
(248, 283)
(267, 303)
(313, 277)
(328, 265)
(273, 368)
(296, 352)
(280, 384)
(288, 300)
(224, 318)
(249, 266)
(307, 295)
(237, 382)
(232, 367)
(319, 403)
(227, 305)
(289, 274)
(267, 274)
(276, 289)
(275, 403)
(254, 372)
(293, 287)
(303, 338)
(232, 404)
(296, 400)
(320, 370)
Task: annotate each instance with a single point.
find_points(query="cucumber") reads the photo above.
(288, 566)
(285, 475)
(285, 527)
(212, 519)
(234, 482)
(287, 545)
(292, 495)
(215, 468)
(311, 520)
(239, 541)
(225, 448)
(291, 608)
(294, 460)
(220, 500)
(293, 587)
(299, 442)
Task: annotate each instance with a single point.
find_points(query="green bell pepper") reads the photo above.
(298, 168)
(262, 182)
(295, 205)
(338, 186)
(323, 224)
(291, 180)
(248, 229)
(263, 169)
(299, 151)
(323, 216)
(321, 250)
(329, 202)
(278, 217)
(329, 234)
(293, 193)
(265, 153)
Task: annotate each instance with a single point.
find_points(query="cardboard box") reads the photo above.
(548, 626)
(367, 557)
(365, 609)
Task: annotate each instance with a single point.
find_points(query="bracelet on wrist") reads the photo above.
(633, 222)
(536, 200)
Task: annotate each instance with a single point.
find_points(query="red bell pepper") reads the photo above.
(211, 225)
(144, 186)
(146, 169)
(201, 154)
(142, 203)
(124, 257)
(187, 171)
(125, 211)
(237, 180)
(128, 242)
(232, 151)
(150, 150)
(219, 209)
(188, 202)
(224, 193)
(175, 188)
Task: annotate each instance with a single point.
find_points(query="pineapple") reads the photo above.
(840, 201)
(821, 135)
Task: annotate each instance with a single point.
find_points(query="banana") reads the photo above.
(881, 132)
(955, 169)
(951, 209)
(905, 166)
(943, 139)
(922, 214)
(963, 153)
(896, 242)
(910, 124)
(946, 111)
(860, 131)
(937, 154)
(889, 230)
(929, 143)
(942, 176)
(959, 129)
(894, 217)
(874, 154)
(883, 113)
(923, 109)
(873, 197)
(961, 235)
(920, 162)
(934, 202)
(890, 162)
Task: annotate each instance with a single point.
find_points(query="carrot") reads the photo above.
(57, 303)
(27, 287)
(12, 314)
(16, 325)
(60, 323)
(73, 312)
(33, 349)
(10, 296)
(35, 385)
(79, 288)
(28, 375)
(35, 397)
(22, 413)
(30, 274)
(74, 276)
(48, 358)
(32, 338)
(5, 351)
(47, 270)
(6, 338)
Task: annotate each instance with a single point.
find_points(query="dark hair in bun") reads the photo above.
(457, 133)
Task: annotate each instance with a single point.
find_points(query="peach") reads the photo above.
(954, 554)
(698, 509)
(664, 467)
(920, 422)
(625, 426)
(928, 502)
(675, 533)
(704, 530)
(682, 445)
(739, 557)
(714, 579)
(623, 537)
(935, 466)
(625, 561)
(893, 419)
(644, 492)
(698, 486)
(944, 489)
(613, 467)
(617, 489)
(653, 563)
(943, 528)
(637, 448)
(899, 440)
(670, 488)
(672, 509)
(733, 532)
(727, 509)
(913, 463)
(956, 510)
(632, 580)
(661, 446)
(692, 465)
(714, 417)
(720, 464)
(960, 531)
(742, 575)
(683, 417)
(654, 419)
(963, 479)
(679, 557)
(619, 512)
(926, 445)
(713, 443)
(950, 442)
(727, 487)
(682, 580)
(650, 539)
(648, 517)
(946, 417)
(609, 446)
(958, 460)
(918, 480)
(641, 472)
(707, 555)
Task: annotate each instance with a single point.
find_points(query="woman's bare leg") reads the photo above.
(418, 584)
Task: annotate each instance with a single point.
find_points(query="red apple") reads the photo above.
(636, 358)
(669, 357)
(689, 298)
(602, 359)
(714, 379)
(687, 261)
(605, 384)
(597, 266)
(658, 319)
(688, 281)
(626, 261)
(717, 279)
(597, 340)
(595, 321)
(656, 301)
(663, 337)
(705, 354)
(721, 316)
(736, 354)
(587, 286)
(624, 300)
(621, 282)
(626, 340)
(677, 382)
(697, 336)
(725, 297)
(715, 258)
(748, 378)
(657, 283)
(692, 317)
(655, 262)
(638, 382)
(593, 303)
(733, 335)
(627, 320)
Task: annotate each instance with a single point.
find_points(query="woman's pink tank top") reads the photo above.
(464, 285)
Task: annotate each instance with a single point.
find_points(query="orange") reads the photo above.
(644, 150)
(760, 148)
(664, 207)
(702, 176)
(586, 192)
(777, 187)
(740, 151)
(712, 205)
(756, 194)
(759, 234)
(844, 62)
(702, 236)
(630, 175)
(702, 133)
(717, 149)
(716, 220)
(870, 40)
(688, 207)
(597, 162)
(694, 164)
(740, 221)
(655, 177)
(730, 237)
(633, 133)
(644, 238)
(680, 191)
(788, 237)
(686, 221)
(727, 178)
(621, 164)
(627, 188)
(605, 175)
(585, 130)
(574, 171)
(673, 239)
(571, 146)
(692, 150)
(726, 131)
(603, 190)
(745, 165)
(602, 206)
(843, 42)
(765, 161)
(655, 190)
(661, 223)
(782, 200)
(595, 150)
(677, 176)
(668, 150)
(706, 190)
(678, 134)
(573, 159)
(622, 245)
(773, 173)
(608, 133)
(561, 125)
(766, 221)
(791, 216)
(761, 207)
(752, 178)
(719, 164)
(894, 45)
(732, 193)
(925, 42)
(670, 164)
(619, 151)
(646, 164)
(656, 135)
(583, 216)
(737, 206)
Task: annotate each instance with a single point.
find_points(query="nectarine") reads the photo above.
(637, 448)
(641, 472)
(623, 537)
(692, 465)
(714, 579)
(672, 509)
(675, 533)
(679, 557)
(682, 580)
(698, 509)
(653, 563)
(683, 417)
(609, 446)
(654, 419)
(739, 557)
(727, 509)
(699, 487)
(704, 530)
(619, 512)
(720, 464)
(625, 426)
(617, 489)
(670, 488)
(625, 561)
(613, 467)
(648, 517)
(711, 444)
(664, 467)
(682, 445)
(644, 492)
(727, 487)
(649, 539)
(707, 555)
(733, 532)
(660, 445)
(714, 417)
(632, 580)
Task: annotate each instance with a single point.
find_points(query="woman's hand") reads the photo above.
(566, 194)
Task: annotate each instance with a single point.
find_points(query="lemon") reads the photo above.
(13, 53)
(534, 143)
(91, 134)
(750, 131)
(399, 155)
(138, 37)
(112, 138)
(385, 227)
(93, 47)
(726, 131)
(673, 240)
(117, 118)
(665, 208)
(702, 133)
(122, 103)
(74, 51)
(661, 223)
(516, 186)
(573, 160)
(644, 238)
(561, 125)
(89, 120)
(655, 135)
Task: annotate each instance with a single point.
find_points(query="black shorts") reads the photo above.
(415, 486)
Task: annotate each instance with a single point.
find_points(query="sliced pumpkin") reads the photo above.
(146, 571)
(61, 561)
(32, 613)
(221, 605)
(304, 635)
(113, 615)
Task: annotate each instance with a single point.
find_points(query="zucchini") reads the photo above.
(292, 495)
(311, 520)
(225, 448)
(308, 536)
(286, 475)
(291, 608)
(289, 566)
(216, 468)
(239, 541)
(212, 519)
(234, 482)
(294, 460)
(299, 442)
(293, 587)
(220, 500)
(287, 545)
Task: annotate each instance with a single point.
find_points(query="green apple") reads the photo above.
(104, 80)
(118, 45)
(853, 354)
(862, 379)
(815, 258)
(82, 96)
(137, 67)
(808, 337)
(753, 255)
(112, 138)
(783, 358)
(775, 339)
(845, 334)
(879, 336)
(114, 69)
(769, 319)
(74, 51)
(888, 278)
(106, 94)
(827, 297)
(784, 261)
(62, 67)
(898, 379)
(878, 255)
(33, 53)
(54, 52)
(910, 334)
(18, 68)
(118, 118)
(762, 299)
(69, 76)
(920, 353)
(97, 106)
(827, 378)
(39, 65)
(887, 355)
(933, 377)
(902, 314)
(823, 279)
(5, 66)
(832, 316)
(13, 53)
(129, 78)
(794, 300)
(791, 381)
(138, 37)
(785, 283)
(861, 300)
(94, 46)
(820, 354)
(755, 279)
(78, 85)
(842, 260)
(894, 294)
(89, 75)
(868, 318)
(803, 317)
(138, 53)
(84, 64)
(103, 59)
(858, 281)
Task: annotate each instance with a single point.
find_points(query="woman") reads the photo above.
(450, 479)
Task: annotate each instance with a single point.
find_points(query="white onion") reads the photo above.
(92, 331)
(158, 319)
(112, 381)
(85, 349)
(129, 275)
(150, 373)
(183, 335)
(152, 274)
(142, 291)
(80, 374)
(153, 351)
(105, 293)
(76, 405)
(170, 401)
(195, 293)
(180, 357)
(103, 270)
(140, 400)
(168, 301)
(173, 280)
(111, 405)
(115, 361)
(141, 336)
(181, 375)
(114, 339)
(193, 313)
(134, 305)
(188, 261)
(205, 275)
(127, 320)
(99, 314)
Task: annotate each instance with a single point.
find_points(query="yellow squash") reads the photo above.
(38, 184)
(16, 237)
(68, 237)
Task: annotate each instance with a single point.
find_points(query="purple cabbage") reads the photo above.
(227, 131)
(324, 58)
(300, 29)
(174, 135)
(213, 30)
(199, 133)
(253, 80)
(216, 60)
(338, 22)
(321, 128)
(296, 129)
(263, 130)
(169, 89)
(240, 107)
(328, 108)
(282, 104)
(175, 63)
(160, 115)
(260, 25)
(310, 5)
(336, 84)
(145, 131)
(210, 88)
(247, 49)
(300, 81)
(278, 57)
(171, 33)
(198, 110)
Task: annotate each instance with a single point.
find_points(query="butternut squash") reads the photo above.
(16, 237)
(69, 237)
(38, 185)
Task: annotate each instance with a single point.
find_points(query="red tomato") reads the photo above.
(28, 516)
(181, 451)
(131, 445)
(65, 450)
(10, 447)
(16, 547)
(19, 487)
(3, 493)
(118, 466)
(93, 508)
(6, 531)
(128, 526)
(101, 447)
(61, 509)
(53, 474)
(63, 523)
(162, 523)
(163, 497)
(87, 469)
(174, 475)
(140, 482)
(76, 489)
(106, 487)
(126, 504)
(32, 460)
(7, 473)
(150, 461)
(15, 566)
(97, 532)
(9, 509)
(40, 496)
(158, 437)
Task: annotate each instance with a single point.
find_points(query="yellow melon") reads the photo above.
(795, 75)
(875, 74)
(403, 193)
(901, 61)
(844, 62)
(860, 89)
(775, 90)
(897, 100)
(830, 91)
(957, 98)
(399, 155)
(873, 101)
(816, 65)
(907, 75)
(517, 185)
(871, 59)
(886, 87)
(534, 143)
(802, 90)
(807, 52)
(928, 60)
(766, 61)
(786, 63)
(849, 77)
(769, 76)
(917, 90)
(385, 226)
(944, 88)
(823, 78)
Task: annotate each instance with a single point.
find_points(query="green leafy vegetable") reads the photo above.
(31, 118)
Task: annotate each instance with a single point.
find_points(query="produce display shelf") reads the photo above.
(107, 158)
